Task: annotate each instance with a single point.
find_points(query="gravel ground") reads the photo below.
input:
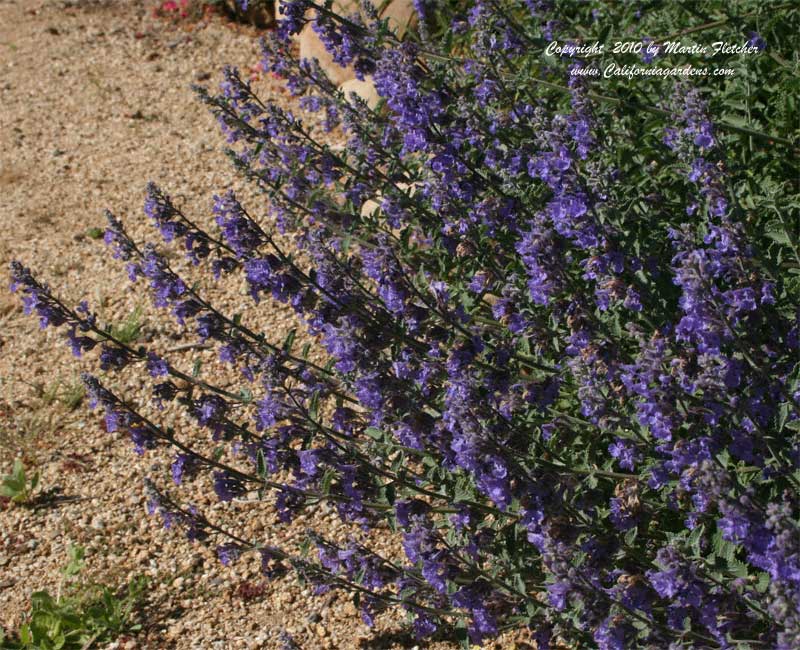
(94, 102)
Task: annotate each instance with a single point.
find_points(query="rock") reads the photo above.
(409, 188)
(401, 16)
(364, 89)
(311, 47)
(280, 15)
(369, 207)
(346, 7)
(341, 7)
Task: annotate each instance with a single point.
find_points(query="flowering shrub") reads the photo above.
(561, 314)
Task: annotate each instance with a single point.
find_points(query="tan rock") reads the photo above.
(364, 89)
(342, 7)
(346, 7)
(311, 47)
(409, 188)
(279, 13)
(399, 13)
(369, 207)
(401, 16)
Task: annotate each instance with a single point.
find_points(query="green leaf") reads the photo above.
(722, 548)
(779, 236)
(19, 471)
(25, 635)
(9, 489)
(76, 561)
(325, 483)
(261, 464)
(313, 407)
(739, 569)
(391, 493)
(694, 539)
(462, 635)
(794, 425)
(289, 340)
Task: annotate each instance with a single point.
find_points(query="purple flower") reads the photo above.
(159, 208)
(310, 461)
(408, 510)
(167, 287)
(142, 439)
(270, 410)
(183, 466)
(612, 634)
(239, 231)
(113, 357)
(229, 553)
(210, 409)
(115, 236)
(156, 366)
(625, 453)
(424, 625)
(754, 39)
(227, 487)
(79, 344)
(557, 594)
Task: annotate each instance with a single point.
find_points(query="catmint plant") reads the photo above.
(560, 314)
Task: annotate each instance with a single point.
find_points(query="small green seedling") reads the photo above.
(72, 395)
(87, 615)
(76, 561)
(16, 486)
(130, 329)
